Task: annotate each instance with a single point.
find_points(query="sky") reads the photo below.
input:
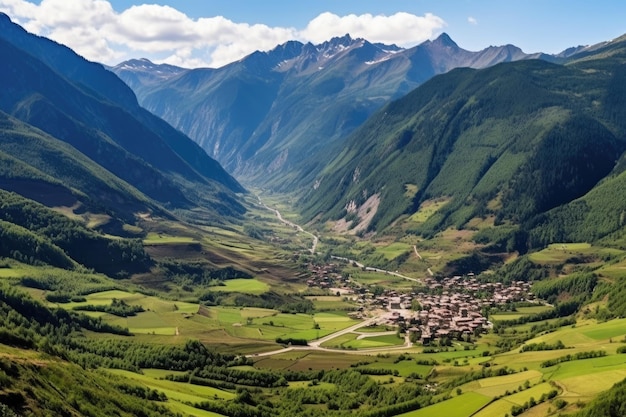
(213, 33)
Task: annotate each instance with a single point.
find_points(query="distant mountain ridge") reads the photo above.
(264, 114)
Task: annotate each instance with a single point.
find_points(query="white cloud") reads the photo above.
(164, 34)
(472, 20)
(401, 28)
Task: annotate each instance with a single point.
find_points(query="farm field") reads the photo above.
(463, 405)
(242, 285)
(394, 250)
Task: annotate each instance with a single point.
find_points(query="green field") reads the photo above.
(164, 239)
(503, 406)
(179, 394)
(330, 302)
(242, 285)
(427, 209)
(394, 250)
(464, 405)
(520, 312)
(375, 342)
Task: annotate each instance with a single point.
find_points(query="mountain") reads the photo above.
(262, 116)
(123, 158)
(531, 143)
(139, 72)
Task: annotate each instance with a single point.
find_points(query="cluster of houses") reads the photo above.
(326, 276)
(448, 308)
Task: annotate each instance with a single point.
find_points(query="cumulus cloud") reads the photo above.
(401, 28)
(472, 20)
(164, 34)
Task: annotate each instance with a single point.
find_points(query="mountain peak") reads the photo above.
(445, 40)
(338, 41)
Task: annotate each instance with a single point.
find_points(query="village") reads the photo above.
(441, 310)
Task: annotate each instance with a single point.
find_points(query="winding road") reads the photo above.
(292, 225)
(316, 344)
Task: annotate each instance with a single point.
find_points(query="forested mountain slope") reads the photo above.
(514, 141)
(50, 87)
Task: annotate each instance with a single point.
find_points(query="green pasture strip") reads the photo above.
(503, 405)
(586, 333)
(330, 302)
(179, 391)
(587, 367)
(375, 329)
(464, 405)
(160, 373)
(164, 239)
(592, 384)
(375, 341)
(427, 209)
(521, 397)
(325, 360)
(394, 250)
(533, 309)
(242, 285)
(496, 386)
(188, 410)
(13, 272)
(340, 341)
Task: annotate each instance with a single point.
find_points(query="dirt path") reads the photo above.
(417, 253)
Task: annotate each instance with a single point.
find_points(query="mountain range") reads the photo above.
(262, 116)
(498, 134)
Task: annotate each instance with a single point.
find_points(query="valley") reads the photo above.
(406, 232)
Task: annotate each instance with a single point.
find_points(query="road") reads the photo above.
(292, 225)
(315, 345)
(369, 268)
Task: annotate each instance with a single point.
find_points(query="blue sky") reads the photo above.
(214, 32)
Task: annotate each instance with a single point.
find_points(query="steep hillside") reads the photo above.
(48, 86)
(514, 140)
(264, 115)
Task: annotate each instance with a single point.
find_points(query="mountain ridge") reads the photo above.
(298, 97)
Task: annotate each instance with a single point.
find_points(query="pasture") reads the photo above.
(394, 250)
(427, 209)
(463, 405)
(179, 394)
(242, 285)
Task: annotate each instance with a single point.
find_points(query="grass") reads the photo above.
(427, 209)
(243, 285)
(503, 406)
(496, 386)
(463, 405)
(520, 312)
(375, 342)
(179, 391)
(404, 368)
(330, 302)
(394, 250)
(586, 334)
(164, 239)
